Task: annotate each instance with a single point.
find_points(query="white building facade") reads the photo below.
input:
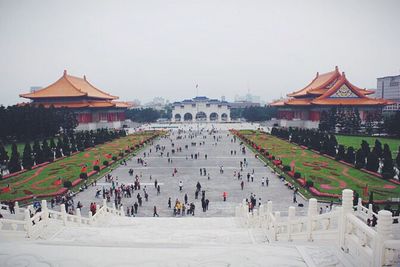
(201, 109)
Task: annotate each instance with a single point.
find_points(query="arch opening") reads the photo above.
(188, 117)
(178, 117)
(224, 117)
(214, 116)
(201, 116)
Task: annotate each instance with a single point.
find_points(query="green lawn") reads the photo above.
(328, 175)
(41, 180)
(355, 142)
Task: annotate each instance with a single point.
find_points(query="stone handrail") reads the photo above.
(34, 225)
(365, 245)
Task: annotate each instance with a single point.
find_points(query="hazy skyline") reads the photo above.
(144, 49)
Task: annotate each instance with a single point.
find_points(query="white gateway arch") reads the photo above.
(201, 109)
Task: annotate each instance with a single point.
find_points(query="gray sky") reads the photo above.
(143, 49)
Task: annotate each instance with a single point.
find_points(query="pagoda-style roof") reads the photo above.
(331, 88)
(69, 86)
(81, 104)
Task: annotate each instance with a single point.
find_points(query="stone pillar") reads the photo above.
(28, 223)
(384, 230)
(45, 210)
(312, 211)
(90, 216)
(347, 200)
(16, 207)
(277, 219)
(347, 208)
(122, 210)
(63, 214)
(105, 204)
(291, 216)
(78, 214)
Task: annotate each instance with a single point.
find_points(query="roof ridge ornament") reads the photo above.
(65, 73)
(84, 77)
(317, 73)
(336, 68)
(343, 74)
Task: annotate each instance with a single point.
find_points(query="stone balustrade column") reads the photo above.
(347, 208)
(16, 207)
(28, 223)
(277, 220)
(291, 217)
(384, 230)
(122, 210)
(78, 214)
(90, 216)
(312, 211)
(45, 210)
(63, 214)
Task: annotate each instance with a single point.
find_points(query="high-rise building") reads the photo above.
(389, 88)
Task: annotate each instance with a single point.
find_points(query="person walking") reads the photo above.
(186, 198)
(180, 186)
(267, 181)
(155, 212)
(262, 181)
(158, 189)
(225, 195)
(169, 202)
(242, 185)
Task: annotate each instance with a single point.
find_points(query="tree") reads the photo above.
(355, 198)
(365, 148)
(3, 154)
(391, 124)
(350, 155)
(398, 159)
(37, 152)
(378, 148)
(341, 153)
(259, 113)
(143, 115)
(360, 159)
(14, 164)
(47, 153)
(387, 168)
(372, 162)
(59, 147)
(27, 160)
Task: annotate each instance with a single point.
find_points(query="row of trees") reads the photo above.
(49, 150)
(253, 114)
(348, 121)
(26, 123)
(377, 159)
(147, 114)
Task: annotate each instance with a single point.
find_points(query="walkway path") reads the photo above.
(219, 154)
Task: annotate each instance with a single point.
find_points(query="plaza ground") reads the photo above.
(218, 154)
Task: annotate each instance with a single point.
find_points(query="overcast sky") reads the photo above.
(143, 49)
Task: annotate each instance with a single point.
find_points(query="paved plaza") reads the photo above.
(218, 154)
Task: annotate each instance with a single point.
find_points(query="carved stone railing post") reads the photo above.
(63, 214)
(122, 210)
(347, 208)
(45, 210)
(90, 217)
(384, 230)
(269, 211)
(276, 229)
(28, 223)
(312, 211)
(16, 207)
(79, 215)
(291, 215)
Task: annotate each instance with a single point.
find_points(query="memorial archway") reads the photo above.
(201, 116)
(188, 117)
(214, 116)
(178, 117)
(224, 117)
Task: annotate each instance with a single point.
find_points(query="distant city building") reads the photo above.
(243, 104)
(303, 108)
(157, 103)
(248, 98)
(93, 107)
(201, 109)
(389, 88)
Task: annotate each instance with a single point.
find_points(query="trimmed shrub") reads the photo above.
(273, 158)
(297, 175)
(121, 154)
(67, 184)
(114, 158)
(105, 163)
(83, 175)
(96, 168)
(309, 183)
(286, 168)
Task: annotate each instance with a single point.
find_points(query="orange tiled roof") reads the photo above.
(82, 104)
(331, 88)
(69, 86)
(320, 82)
